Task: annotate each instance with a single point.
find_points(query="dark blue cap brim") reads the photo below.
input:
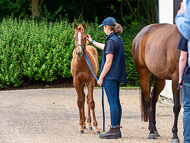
(101, 25)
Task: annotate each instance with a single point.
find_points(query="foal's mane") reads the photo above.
(81, 29)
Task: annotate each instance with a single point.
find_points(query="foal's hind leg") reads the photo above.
(91, 105)
(83, 110)
(158, 87)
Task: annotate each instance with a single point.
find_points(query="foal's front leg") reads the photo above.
(89, 126)
(80, 102)
(91, 105)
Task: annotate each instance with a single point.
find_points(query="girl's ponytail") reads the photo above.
(118, 28)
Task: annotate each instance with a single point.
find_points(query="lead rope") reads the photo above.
(89, 65)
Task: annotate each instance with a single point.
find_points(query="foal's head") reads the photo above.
(80, 39)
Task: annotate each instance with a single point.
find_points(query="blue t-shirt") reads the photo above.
(110, 47)
(114, 45)
(183, 47)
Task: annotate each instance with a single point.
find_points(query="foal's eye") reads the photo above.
(74, 38)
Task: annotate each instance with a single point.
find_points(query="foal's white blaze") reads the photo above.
(79, 38)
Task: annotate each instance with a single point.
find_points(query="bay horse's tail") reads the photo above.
(144, 108)
(138, 50)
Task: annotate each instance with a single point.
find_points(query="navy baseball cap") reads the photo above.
(108, 21)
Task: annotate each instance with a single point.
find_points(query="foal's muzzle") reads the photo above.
(79, 54)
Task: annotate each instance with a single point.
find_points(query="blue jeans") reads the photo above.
(112, 92)
(186, 113)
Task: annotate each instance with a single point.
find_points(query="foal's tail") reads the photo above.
(144, 108)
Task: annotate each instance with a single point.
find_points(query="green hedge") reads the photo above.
(42, 51)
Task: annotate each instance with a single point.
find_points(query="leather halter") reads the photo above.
(84, 47)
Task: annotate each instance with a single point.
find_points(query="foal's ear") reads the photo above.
(84, 26)
(75, 25)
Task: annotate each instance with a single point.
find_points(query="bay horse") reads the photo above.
(155, 51)
(82, 75)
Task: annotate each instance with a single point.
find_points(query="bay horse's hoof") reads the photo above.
(97, 132)
(157, 134)
(152, 136)
(81, 132)
(175, 141)
(89, 128)
(84, 127)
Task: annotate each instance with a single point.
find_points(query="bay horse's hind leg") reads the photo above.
(91, 106)
(146, 110)
(158, 87)
(80, 102)
(176, 107)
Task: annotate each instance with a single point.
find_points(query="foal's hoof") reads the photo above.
(81, 132)
(97, 132)
(157, 134)
(89, 128)
(84, 127)
(175, 141)
(152, 136)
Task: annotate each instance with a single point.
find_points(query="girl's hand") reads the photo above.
(180, 83)
(88, 37)
(100, 81)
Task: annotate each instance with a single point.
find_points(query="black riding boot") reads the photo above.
(118, 132)
(111, 134)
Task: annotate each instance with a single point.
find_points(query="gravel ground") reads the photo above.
(51, 116)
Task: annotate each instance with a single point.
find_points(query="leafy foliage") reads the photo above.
(87, 9)
(40, 51)
(34, 50)
(128, 37)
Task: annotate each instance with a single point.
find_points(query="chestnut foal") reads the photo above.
(82, 75)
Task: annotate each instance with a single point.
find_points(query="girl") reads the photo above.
(112, 72)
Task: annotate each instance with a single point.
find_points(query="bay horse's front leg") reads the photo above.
(176, 109)
(80, 102)
(91, 106)
(152, 134)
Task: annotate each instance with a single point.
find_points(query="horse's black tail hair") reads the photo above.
(144, 108)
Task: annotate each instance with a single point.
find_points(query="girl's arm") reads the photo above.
(99, 45)
(182, 64)
(107, 66)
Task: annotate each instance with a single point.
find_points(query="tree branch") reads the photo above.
(131, 9)
(122, 13)
(35, 8)
(41, 3)
(138, 11)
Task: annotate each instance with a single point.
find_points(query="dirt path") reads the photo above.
(51, 116)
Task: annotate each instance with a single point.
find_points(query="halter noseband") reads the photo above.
(84, 47)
